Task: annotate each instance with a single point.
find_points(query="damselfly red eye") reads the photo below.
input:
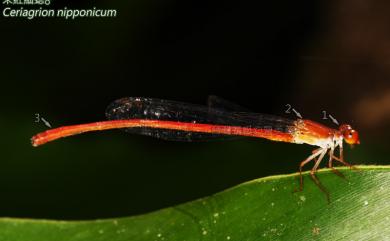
(350, 135)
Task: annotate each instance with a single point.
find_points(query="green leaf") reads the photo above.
(263, 209)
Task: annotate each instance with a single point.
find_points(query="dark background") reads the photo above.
(314, 55)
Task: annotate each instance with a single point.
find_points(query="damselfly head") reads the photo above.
(350, 135)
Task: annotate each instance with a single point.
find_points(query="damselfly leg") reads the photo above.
(316, 153)
(330, 164)
(314, 170)
(341, 159)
